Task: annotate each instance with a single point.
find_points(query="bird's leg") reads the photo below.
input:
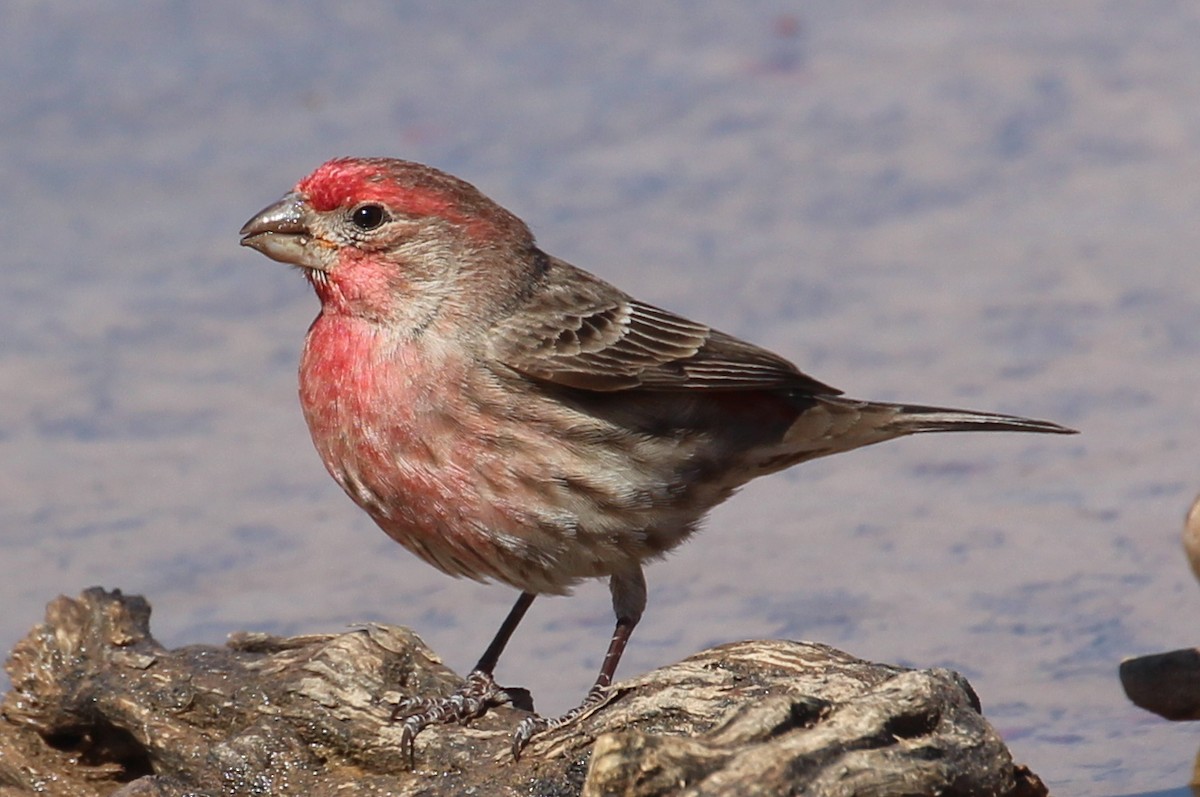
(477, 694)
(629, 601)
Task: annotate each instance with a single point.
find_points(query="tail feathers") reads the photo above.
(915, 419)
(831, 424)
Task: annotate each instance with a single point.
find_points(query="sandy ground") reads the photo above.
(988, 205)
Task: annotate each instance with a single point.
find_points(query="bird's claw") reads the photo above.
(533, 725)
(529, 727)
(470, 701)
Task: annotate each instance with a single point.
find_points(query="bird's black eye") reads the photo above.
(368, 217)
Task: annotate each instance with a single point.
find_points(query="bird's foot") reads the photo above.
(472, 700)
(533, 725)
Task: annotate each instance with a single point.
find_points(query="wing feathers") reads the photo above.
(579, 331)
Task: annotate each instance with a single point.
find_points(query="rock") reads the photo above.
(1167, 684)
(98, 707)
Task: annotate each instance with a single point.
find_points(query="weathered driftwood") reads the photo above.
(99, 707)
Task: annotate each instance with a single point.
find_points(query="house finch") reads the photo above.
(505, 415)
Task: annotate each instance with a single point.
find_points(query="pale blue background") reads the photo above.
(989, 205)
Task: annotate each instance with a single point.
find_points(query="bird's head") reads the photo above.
(395, 241)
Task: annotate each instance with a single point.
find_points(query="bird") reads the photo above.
(507, 416)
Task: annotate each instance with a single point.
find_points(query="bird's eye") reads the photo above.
(368, 217)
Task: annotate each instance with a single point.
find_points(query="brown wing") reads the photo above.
(579, 331)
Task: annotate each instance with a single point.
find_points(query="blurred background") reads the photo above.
(984, 205)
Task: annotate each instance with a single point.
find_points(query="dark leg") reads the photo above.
(629, 601)
(477, 694)
(487, 662)
(612, 657)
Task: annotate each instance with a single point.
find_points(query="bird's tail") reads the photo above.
(831, 424)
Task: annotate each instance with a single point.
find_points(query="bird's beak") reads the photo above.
(280, 231)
